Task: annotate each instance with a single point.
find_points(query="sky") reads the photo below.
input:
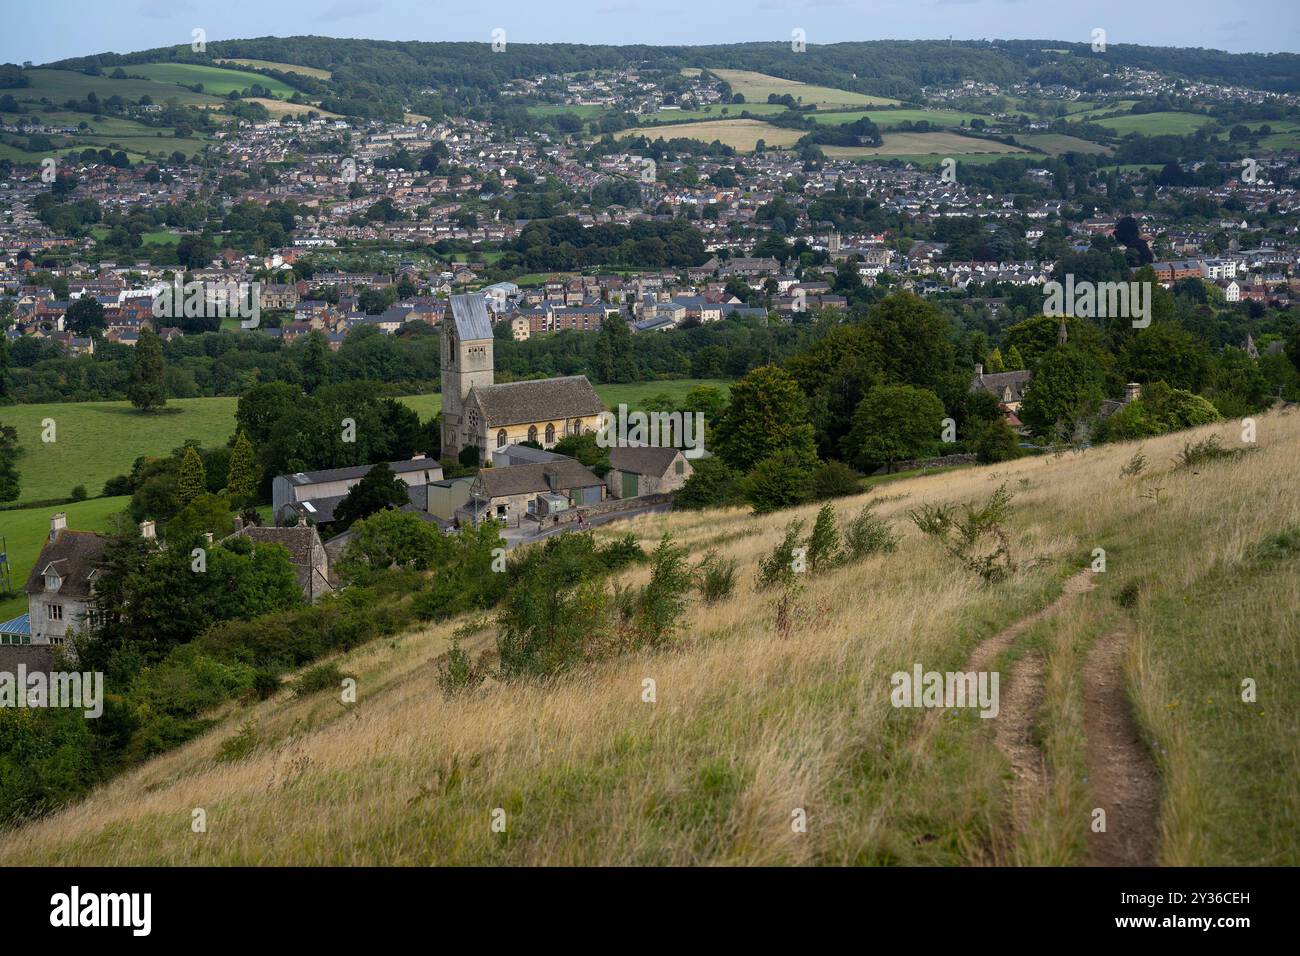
(45, 30)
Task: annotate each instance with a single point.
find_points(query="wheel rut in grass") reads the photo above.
(1122, 777)
(1019, 703)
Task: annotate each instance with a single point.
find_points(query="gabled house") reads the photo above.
(60, 588)
(646, 470)
(510, 494)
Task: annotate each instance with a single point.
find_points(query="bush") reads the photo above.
(662, 602)
(834, 479)
(457, 672)
(241, 744)
(712, 484)
(824, 541)
(79, 493)
(962, 535)
(121, 485)
(266, 684)
(1195, 454)
(997, 442)
(866, 534)
(778, 567)
(717, 577)
(780, 480)
(319, 678)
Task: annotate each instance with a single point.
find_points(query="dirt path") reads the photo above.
(1122, 778)
(1021, 697)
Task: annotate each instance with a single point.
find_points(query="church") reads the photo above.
(478, 412)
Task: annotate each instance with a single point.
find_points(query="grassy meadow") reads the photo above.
(751, 728)
(215, 79)
(756, 87)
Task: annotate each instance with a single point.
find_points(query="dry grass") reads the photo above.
(742, 134)
(748, 727)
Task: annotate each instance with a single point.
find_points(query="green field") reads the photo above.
(756, 87)
(281, 67)
(941, 144)
(887, 119)
(113, 132)
(555, 109)
(25, 532)
(714, 111)
(1155, 124)
(215, 79)
(1057, 144)
(62, 85)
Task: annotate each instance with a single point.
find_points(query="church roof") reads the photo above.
(469, 312)
(515, 403)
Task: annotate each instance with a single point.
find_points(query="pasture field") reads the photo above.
(741, 134)
(282, 67)
(582, 112)
(756, 87)
(754, 720)
(1156, 124)
(886, 119)
(215, 79)
(922, 144)
(62, 85)
(1057, 144)
(713, 111)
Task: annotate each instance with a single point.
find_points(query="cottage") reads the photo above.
(508, 495)
(60, 587)
(644, 470)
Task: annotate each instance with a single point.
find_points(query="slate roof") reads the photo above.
(514, 403)
(22, 624)
(300, 478)
(470, 314)
(74, 556)
(533, 479)
(997, 383)
(642, 459)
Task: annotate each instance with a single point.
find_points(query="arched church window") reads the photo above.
(532, 433)
(501, 438)
(550, 434)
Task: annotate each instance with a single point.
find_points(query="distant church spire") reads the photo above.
(1251, 350)
(1061, 334)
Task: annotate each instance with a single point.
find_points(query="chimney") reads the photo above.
(1131, 391)
(418, 456)
(979, 369)
(208, 536)
(302, 521)
(147, 530)
(58, 523)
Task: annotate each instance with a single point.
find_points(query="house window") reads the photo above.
(54, 612)
(501, 511)
(679, 466)
(532, 433)
(52, 582)
(501, 438)
(550, 434)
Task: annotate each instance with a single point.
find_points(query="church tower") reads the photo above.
(466, 352)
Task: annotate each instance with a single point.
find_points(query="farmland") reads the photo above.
(741, 134)
(215, 79)
(281, 67)
(1155, 124)
(922, 144)
(887, 119)
(61, 85)
(1058, 144)
(756, 87)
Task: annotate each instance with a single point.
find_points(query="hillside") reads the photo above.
(750, 726)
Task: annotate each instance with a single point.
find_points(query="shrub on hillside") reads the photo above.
(823, 544)
(866, 534)
(997, 442)
(662, 602)
(967, 535)
(834, 479)
(712, 484)
(778, 567)
(717, 576)
(319, 678)
(457, 672)
(780, 480)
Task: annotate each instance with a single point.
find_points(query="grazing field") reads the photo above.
(714, 111)
(741, 134)
(755, 724)
(215, 79)
(1058, 144)
(756, 87)
(282, 67)
(582, 112)
(278, 108)
(887, 119)
(94, 441)
(1156, 124)
(25, 531)
(62, 85)
(922, 144)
